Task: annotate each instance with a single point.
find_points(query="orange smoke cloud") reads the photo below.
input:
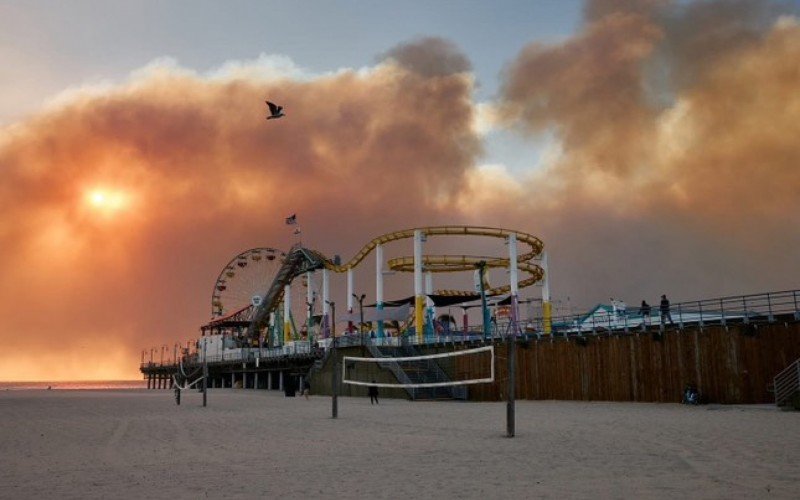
(121, 206)
(672, 170)
(676, 169)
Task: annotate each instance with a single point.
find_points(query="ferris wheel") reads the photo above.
(250, 274)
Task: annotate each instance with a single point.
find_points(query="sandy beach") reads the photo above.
(245, 444)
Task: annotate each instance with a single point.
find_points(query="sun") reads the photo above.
(107, 201)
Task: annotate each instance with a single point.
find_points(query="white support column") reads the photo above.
(269, 381)
(350, 293)
(233, 380)
(287, 312)
(419, 300)
(326, 297)
(547, 307)
(430, 309)
(379, 285)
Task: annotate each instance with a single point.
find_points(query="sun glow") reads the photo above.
(106, 200)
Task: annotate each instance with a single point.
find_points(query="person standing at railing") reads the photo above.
(644, 311)
(665, 312)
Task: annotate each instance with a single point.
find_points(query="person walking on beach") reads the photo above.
(665, 314)
(373, 394)
(306, 388)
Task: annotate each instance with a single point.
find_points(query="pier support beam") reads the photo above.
(244, 380)
(233, 380)
(255, 380)
(269, 381)
(280, 380)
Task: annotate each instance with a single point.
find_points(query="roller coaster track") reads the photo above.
(299, 260)
(456, 263)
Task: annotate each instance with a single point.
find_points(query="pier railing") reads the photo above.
(748, 309)
(244, 354)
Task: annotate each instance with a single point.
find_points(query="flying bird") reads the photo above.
(275, 111)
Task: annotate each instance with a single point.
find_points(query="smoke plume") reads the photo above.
(672, 168)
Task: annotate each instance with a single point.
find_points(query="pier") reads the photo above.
(730, 351)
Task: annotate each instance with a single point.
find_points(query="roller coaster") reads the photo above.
(300, 260)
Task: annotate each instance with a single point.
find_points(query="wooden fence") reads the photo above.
(728, 365)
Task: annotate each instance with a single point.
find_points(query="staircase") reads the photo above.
(787, 384)
(429, 372)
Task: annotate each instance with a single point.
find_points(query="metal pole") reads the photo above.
(511, 404)
(484, 308)
(511, 336)
(770, 317)
(350, 295)
(429, 308)
(310, 304)
(334, 401)
(326, 297)
(700, 308)
(379, 286)
(794, 299)
(205, 373)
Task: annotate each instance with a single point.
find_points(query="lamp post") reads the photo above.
(163, 348)
(360, 299)
(334, 401)
(152, 349)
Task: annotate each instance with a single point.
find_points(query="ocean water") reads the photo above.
(75, 386)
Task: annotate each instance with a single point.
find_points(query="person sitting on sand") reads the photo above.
(690, 396)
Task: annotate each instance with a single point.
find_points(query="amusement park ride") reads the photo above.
(252, 310)
(252, 287)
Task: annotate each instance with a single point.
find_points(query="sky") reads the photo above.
(650, 144)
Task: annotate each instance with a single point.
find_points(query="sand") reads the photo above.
(246, 444)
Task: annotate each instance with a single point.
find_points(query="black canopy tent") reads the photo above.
(438, 300)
